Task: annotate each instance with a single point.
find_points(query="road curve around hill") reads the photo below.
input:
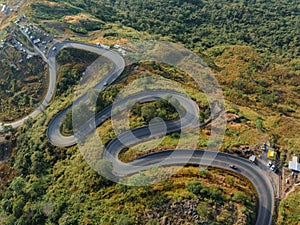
(53, 132)
(253, 173)
(51, 61)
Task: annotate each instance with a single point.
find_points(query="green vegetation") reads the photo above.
(160, 108)
(52, 10)
(141, 114)
(80, 114)
(253, 48)
(289, 211)
(268, 26)
(102, 99)
(250, 80)
(212, 198)
(203, 24)
(263, 75)
(57, 186)
(72, 64)
(22, 84)
(85, 26)
(79, 17)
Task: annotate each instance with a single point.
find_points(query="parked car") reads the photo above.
(232, 167)
(270, 164)
(273, 168)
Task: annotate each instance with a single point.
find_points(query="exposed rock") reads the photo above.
(184, 212)
(233, 118)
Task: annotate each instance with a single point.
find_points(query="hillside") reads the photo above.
(23, 79)
(271, 27)
(253, 48)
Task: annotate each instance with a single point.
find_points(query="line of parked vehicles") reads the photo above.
(272, 166)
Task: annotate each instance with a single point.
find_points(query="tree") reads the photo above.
(205, 211)
(240, 84)
(195, 187)
(93, 96)
(7, 129)
(7, 205)
(123, 220)
(18, 185)
(37, 162)
(81, 113)
(67, 123)
(239, 197)
(148, 112)
(260, 125)
(18, 207)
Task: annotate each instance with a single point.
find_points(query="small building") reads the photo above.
(252, 159)
(294, 165)
(36, 41)
(3, 8)
(271, 154)
(295, 159)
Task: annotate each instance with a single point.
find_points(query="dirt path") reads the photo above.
(292, 190)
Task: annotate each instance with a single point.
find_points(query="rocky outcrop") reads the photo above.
(178, 212)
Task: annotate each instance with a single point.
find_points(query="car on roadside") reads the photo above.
(233, 167)
(273, 168)
(270, 164)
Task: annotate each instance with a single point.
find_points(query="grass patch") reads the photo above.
(289, 209)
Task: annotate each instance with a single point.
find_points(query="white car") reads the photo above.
(273, 168)
(270, 164)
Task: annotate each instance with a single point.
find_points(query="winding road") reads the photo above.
(189, 118)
